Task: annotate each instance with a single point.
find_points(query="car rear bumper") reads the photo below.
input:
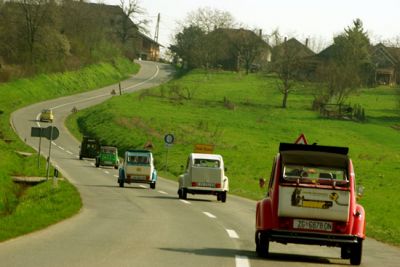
(140, 181)
(310, 238)
(204, 190)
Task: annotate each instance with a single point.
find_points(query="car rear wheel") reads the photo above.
(345, 252)
(223, 197)
(116, 167)
(356, 253)
(121, 184)
(184, 193)
(153, 185)
(262, 244)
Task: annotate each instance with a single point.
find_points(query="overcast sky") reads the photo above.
(319, 20)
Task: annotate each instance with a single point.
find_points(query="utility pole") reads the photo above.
(157, 28)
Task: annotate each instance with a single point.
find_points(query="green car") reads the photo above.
(108, 156)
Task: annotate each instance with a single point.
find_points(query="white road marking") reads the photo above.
(162, 192)
(232, 233)
(53, 143)
(242, 261)
(69, 152)
(116, 176)
(185, 201)
(60, 147)
(143, 186)
(209, 214)
(106, 172)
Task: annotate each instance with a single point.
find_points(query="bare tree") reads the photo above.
(35, 14)
(285, 63)
(349, 63)
(248, 46)
(130, 22)
(208, 19)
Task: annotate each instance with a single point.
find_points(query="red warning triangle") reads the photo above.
(301, 140)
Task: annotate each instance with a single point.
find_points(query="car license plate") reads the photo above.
(312, 225)
(205, 184)
(139, 177)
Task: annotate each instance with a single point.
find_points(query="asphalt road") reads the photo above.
(137, 226)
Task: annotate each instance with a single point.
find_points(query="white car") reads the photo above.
(205, 174)
(138, 167)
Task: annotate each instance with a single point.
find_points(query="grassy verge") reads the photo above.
(16, 203)
(40, 206)
(241, 116)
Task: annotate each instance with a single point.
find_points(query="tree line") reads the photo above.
(213, 39)
(46, 35)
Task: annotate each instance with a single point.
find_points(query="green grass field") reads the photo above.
(241, 116)
(23, 210)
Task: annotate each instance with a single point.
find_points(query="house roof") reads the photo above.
(295, 45)
(235, 33)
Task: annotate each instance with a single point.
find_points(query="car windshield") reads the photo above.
(138, 159)
(312, 173)
(207, 163)
(108, 150)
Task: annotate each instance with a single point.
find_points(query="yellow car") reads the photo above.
(46, 115)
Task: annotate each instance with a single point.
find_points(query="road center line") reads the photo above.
(242, 261)
(209, 214)
(60, 147)
(142, 186)
(162, 192)
(106, 172)
(116, 176)
(232, 233)
(69, 152)
(185, 201)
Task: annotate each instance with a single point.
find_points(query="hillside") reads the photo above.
(241, 116)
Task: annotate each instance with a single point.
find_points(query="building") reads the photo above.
(386, 61)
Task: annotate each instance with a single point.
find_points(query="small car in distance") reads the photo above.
(108, 156)
(205, 174)
(311, 199)
(138, 167)
(46, 115)
(89, 148)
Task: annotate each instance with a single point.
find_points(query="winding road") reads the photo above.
(137, 226)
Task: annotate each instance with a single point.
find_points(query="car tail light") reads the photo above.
(194, 184)
(218, 185)
(340, 227)
(128, 176)
(285, 223)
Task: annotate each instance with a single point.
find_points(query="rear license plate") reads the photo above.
(312, 225)
(205, 184)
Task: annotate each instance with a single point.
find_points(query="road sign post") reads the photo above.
(169, 140)
(50, 133)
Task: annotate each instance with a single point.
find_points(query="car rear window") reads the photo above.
(207, 163)
(314, 174)
(138, 159)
